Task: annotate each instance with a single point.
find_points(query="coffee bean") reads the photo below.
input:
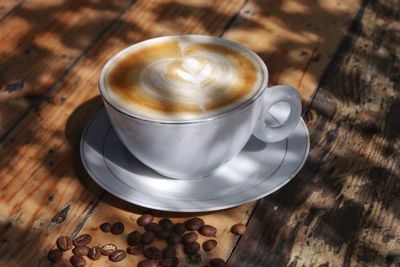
(148, 263)
(82, 240)
(217, 262)
(195, 258)
(208, 230)
(209, 245)
(135, 250)
(152, 253)
(144, 219)
(163, 233)
(166, 223)
(179, 228)
(77, 261)
(169, 252)
(117, 255)
(238, 229)
(105, 227)
(54, 255)
(147, 238)
(191, 248)
(117, 228)
(152, 227)
(80, 250)
(64, 243)
(194, 224)
(189, 237)
(108, 249)
(134, 238)
(170, 262)
(94, 253)
(174, 239)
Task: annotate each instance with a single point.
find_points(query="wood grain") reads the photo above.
(128, 214)
(296, 39)
(342, 209)
(41, 197)
(7, 7)
(41, 42)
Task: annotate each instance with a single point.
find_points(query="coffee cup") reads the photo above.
(186, 104)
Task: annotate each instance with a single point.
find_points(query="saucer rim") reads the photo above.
(196, 209)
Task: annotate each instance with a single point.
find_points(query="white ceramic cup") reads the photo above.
(196, 148)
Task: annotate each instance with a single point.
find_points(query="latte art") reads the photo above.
(193, 80)
(181, 79)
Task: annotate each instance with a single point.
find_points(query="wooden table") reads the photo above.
(343, 208)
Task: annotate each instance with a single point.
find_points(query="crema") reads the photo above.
(182, 78)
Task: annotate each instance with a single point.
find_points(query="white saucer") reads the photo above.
(259, 170)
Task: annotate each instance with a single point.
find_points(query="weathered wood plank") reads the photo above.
(299, 42)
(41, 197)
(127, 213)
(8, 6)
(295, 38)
(342, 209)
(39, 177)
(41, 42)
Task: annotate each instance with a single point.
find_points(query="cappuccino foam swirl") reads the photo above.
(182, 79)
(193, 80)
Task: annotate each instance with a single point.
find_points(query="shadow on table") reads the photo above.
(24, 72)
(342, 199)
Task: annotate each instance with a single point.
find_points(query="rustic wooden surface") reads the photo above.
(341, 208)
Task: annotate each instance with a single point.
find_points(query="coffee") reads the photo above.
(182, 78)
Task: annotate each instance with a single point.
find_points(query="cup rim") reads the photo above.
(226, 113)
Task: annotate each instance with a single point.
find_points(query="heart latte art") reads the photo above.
(181, 79)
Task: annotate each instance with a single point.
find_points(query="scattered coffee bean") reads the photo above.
(238, 229)
(179, 228)
(148, 263)
(191, 248)
(208, 230)
(195, 258)
(108, 249)
(117, 255)
(82, 240)
(80, 250)
(144, 219)
(105, 227)
(169, 252)
(54, 255)
(152, 253)
(135, 250)
(189, 237)
(163, 233)
(64, 243)
(77, 261)
(147, 238)
(94, 253)
(217, 262)
(209, 245)
(194, 224)
(134, 238)
(166, 223)
(117, 228)
(174, 239)
(152, 227)
(170, 262)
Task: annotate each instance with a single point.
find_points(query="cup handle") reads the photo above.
(271, 96)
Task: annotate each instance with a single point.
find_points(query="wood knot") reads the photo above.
(15, 86)
(61, 215)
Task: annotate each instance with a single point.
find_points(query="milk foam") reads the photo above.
(182, 79)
